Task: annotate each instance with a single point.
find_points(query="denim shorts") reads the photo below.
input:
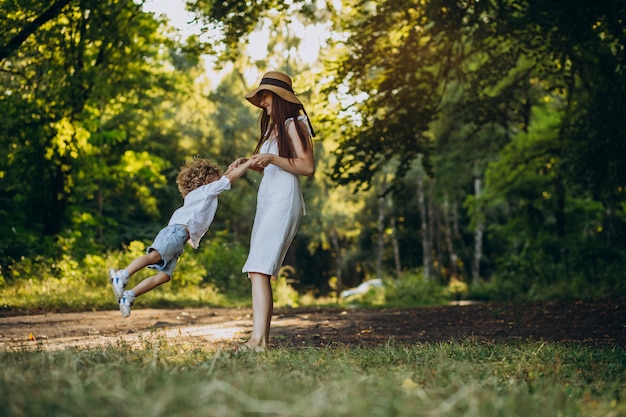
(170, 243)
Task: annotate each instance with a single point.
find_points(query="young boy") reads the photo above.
(200, 184)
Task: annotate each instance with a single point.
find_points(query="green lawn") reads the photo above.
(448, 379)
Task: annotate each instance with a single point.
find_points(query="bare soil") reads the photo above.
(600, 322)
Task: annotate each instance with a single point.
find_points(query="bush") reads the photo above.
(69, 284)
(410, 289)
(222, 258)
(284, 294)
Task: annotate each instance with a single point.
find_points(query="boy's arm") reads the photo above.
(233, 173)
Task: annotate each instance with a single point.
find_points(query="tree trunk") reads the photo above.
(57, 202)
(478, 233)
(395, 243)
(380, 247)
(433, 235)
(100, 202)
(334, 241)
(449, 242)
(426, 250)
(559, 212)
(457, 231)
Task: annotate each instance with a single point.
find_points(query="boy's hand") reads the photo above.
(237, 162)
(237, 169)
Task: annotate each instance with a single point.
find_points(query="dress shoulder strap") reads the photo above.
(305, 119)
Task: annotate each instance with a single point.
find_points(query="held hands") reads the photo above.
(261, 160)
(237, 169)
(257, 162)
(237, 162)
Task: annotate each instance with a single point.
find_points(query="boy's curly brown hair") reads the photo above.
(196, 173)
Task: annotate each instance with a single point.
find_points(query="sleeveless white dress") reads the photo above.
(280, 206)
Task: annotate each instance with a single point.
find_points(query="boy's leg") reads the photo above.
(150, 283)
(142, 261)
(120, 278)
(128, 297)
(162, 255)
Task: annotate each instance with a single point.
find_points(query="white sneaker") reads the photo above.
(117, 282)
(125, 302)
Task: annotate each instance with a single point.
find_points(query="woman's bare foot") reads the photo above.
(248, 347)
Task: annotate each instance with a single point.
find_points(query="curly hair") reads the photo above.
(196, 173)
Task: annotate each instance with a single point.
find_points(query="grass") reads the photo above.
(159, 378)
(434, 380)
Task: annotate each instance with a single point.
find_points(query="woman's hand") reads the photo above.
(261, 160)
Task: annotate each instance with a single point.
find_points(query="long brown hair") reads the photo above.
(281, 111)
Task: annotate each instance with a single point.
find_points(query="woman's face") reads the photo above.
(266, 101)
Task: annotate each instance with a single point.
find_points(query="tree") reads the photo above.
(18, 29)
(457, 82)
(76, 90)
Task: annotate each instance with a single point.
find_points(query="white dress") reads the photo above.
(278, 211)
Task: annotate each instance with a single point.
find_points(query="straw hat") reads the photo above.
(277, 82)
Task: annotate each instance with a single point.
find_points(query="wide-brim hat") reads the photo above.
(276, 82)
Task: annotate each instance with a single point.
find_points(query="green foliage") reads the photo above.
(222, 259)
(283, 293)
(100, 107)
(466, 84)
(64, 283)
(209, 276)
(390, 63)
(550, 245)
(449, 379)
(534, 275)
(76, 94)
(231, 22)
(411, 289)
(59, 284)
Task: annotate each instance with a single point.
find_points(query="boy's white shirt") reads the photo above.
(198, 210)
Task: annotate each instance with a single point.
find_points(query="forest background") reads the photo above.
(464, 148)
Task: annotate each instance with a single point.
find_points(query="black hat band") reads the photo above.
(277, 83)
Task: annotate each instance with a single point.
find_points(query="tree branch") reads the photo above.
(30, 28)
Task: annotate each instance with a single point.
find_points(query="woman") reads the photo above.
(283, 153)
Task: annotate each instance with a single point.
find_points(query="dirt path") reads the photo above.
(596, 322)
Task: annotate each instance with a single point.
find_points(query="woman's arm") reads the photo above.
(302, 164)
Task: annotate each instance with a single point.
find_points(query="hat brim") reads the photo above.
(254, 98)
